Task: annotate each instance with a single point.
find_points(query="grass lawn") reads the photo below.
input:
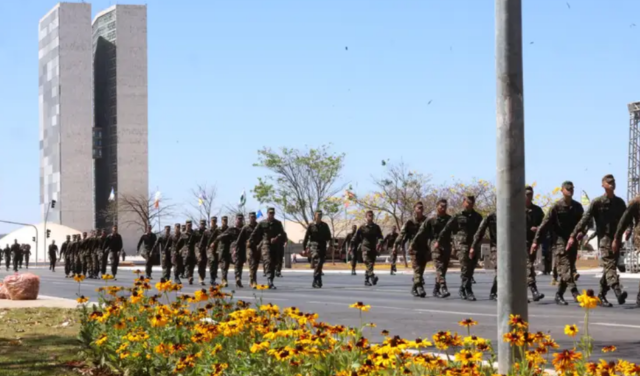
(38, 341)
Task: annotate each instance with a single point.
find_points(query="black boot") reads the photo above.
(320, 281)
(315, 283)
(392, 271)
(271, 285)
(374, 279)
(560, 299)
(621, 295)
(414, 290)
(463, 293)
(353, 272)
(444, 292)
(603, 299)
(535, 293)
(421, 292)
(575, 294)
(493, 295)
(366, 282)
(470, 296)
(436, 290)
(238, 284)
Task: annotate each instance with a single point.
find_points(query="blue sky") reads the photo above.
(228, 77)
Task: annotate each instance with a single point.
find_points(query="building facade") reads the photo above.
(93, 115)
(66, 115)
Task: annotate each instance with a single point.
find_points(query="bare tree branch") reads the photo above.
(143, 208)
(202, 202)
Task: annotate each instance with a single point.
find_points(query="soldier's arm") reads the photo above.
(586, 219)
(307, 235)
(422, 235)
(328, 236)
(479, 235)
(451, 226)
(139, 243)
(627, 219)
(356, 239)
(403, 235)
(545, 226)
(256, 236)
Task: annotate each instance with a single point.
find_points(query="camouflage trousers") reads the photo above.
(369, 258)
(394, 257)
(87, 262)
(178, 261)
(269, 256)
(67, 264)
(493, 259)
(531, 270)
(441, 257)
(16, 263)
(419, 262)
(96, 262)
(165, 262)
(148, 262)
(7, 261)
(52, 261)
(318, 257)
(610, 278)
(189, 259)
(239, 259)
(115, 262)
(254, 262)
(355, 256)
(77, 261)
(224, 258)
(104, 260)
(564, 267)
(213, 261)
(279, 254)
(201, 261)
(467, 264)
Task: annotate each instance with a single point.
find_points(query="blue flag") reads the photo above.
(259, 214)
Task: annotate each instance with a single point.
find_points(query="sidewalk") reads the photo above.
(42, 301)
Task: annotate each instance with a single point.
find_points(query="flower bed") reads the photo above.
(145, 330)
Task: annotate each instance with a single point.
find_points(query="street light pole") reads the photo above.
(512, 286)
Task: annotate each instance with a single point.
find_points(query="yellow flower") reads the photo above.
(467, 357)
(588, 300)
(102, 339)
(201, 295)
(82, 299)
(517, 322)
(78, 278)
(361, 306)
(163, 286)
(262, 287)
(514, 338)
(137, 272)
(260, 346)
(609, 349)
(571, 330)
(467, 323)
(107, 277)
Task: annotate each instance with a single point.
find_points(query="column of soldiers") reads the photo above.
(18, 253)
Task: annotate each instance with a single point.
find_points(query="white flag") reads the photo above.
(112, 195)
(243, 198)
(156, 201)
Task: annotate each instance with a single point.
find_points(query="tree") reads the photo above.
(483, 190)
(202, 202)
(138, 211)
(395, 194)
(547, 199)
(300, 181)
(231, 210)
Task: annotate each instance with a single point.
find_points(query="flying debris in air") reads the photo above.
(530, 42)
(384, 162)
(430, 100)
(346, 48)
(568, 5)
(633, 25)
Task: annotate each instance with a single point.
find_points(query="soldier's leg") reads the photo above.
(27, 261)
(15, 264)
(531, 274)
(565, 279)
(115, 262)
(317, 269)
(610, 278)
(394, 259)
(493, 257)
(192, 265)
(212, 259)
(354, 262)
(254, 261)
(202, 265)
(178, 266)
(238, 265)
(463, 258)
(7, 262)
(279, 261)
(269, 255)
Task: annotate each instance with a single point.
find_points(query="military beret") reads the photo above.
(271, 210)
(214, 218)
(239, 215)
(252, 214)
(188, 221)
(567, 184)
(203, 221)
(224, 218)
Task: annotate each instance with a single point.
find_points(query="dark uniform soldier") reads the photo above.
(253, 252)
(71, 252)
(212, 251)
(53, 255)
(534, 217)
(462, 227)
(98, 253)
(389, 242)
(269, 234)
(85, 257)
(428, 233)
(114, 246)
(201, 248)
(92, 244)
(239, 251)
(16, 253)
(347, 248)
(280, 246)
(147, 240)
(222, 244)
(177, 243)
(631, 217)
(489, 222)
(607, 210)
(421, 254)
(7, 256)
(315, 241)
(27, 254)
(560, 221)
(189, 251)
(64, 254)
(369, 236)
(162, 247)
(183, 273)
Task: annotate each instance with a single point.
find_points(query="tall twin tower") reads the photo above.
(93, 114)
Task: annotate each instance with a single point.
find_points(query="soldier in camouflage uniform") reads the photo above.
(53, 255)
(607, 210)
(239, 251)
(189, 252)
(178, 242)
(84, 253)
(280, 248)
(316, 240)
(183, 273)
(560, 221)
(16, 253)
(199, 236)
(490, 223)
(223, 244)
(421, 254)
(253, 252)
(64, 255)
(163, 248)
(388, 243)
(147, 240)
(630, 220)
(27, 254)
(269, 234)
(370, 237)
(462, 227)
(347, 248)
(201, 249)
(98, 252)
(114, 246)
(73, 255)
(212, 250)
(534, 217)
(7, 256)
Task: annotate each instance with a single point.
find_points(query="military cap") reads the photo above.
(189, 221)
(609, 178)
(252, 214)
(203, 221)
(178, 225)
(470, 198)
(528, 188)
(239, 215)
(214, 218)
(224, 218)
(567, 184)
(271, 210)
(318, 211)
(167, 226)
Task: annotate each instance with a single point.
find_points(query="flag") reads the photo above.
(585, 199)
(243, 198)
(112, 195)
(156, 201)
(201, 199)
(259, 214)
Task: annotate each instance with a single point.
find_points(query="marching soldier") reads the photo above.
(201, 248)
(253, 252)
(16, 252)
(389, 242)
(178, 242)
(114, 246)
(98, 251)
(630, 219)
(369, 236)
(72, 251)
(222, 245)
(280, 245)
(534, 215)
(212, 251)
(64, 253)
(85, 246)
(7, 256)
(463, 226)
(147, 240)
(560, 221)
(162, 246)
(316, 240)
(239, 251)
(422, 254)
(189, 251)
(269, 233)
(347, 248)
(607, 210)
(53, 255)
(490, 223)
(183, 272)
(27, 254)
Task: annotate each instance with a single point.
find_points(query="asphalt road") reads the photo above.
(395, 309)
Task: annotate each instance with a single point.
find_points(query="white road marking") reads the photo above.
(457, 313)
(615, 325)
